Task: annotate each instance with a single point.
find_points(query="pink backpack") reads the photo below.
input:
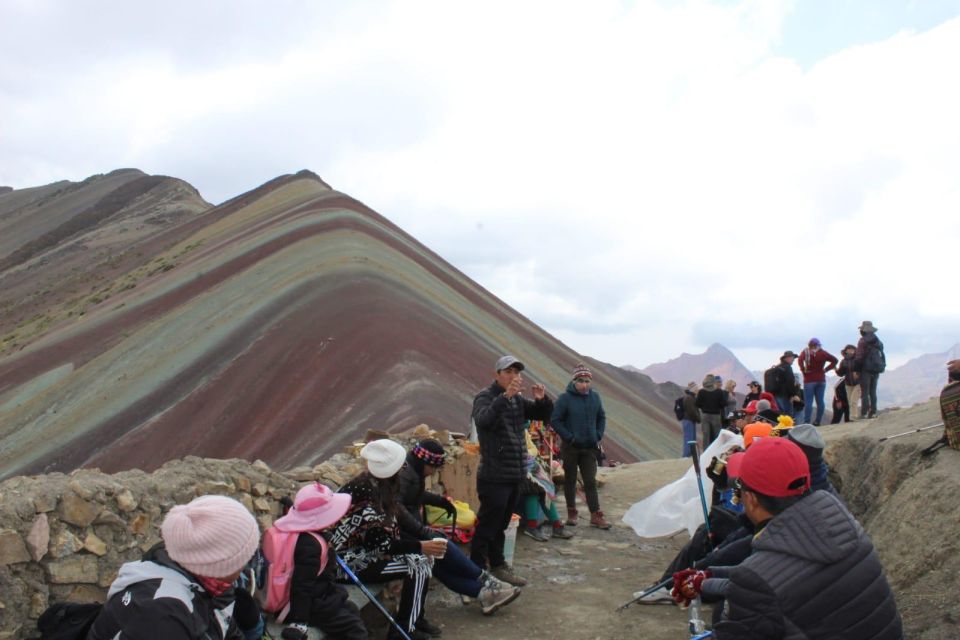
(278, 548)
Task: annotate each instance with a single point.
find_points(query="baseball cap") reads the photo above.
(775, 467)
(506, 362)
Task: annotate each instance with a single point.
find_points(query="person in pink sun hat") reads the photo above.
(316, 600)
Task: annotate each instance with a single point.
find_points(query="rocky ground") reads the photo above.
(576, 585)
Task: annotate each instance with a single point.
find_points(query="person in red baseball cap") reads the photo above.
(812, 572)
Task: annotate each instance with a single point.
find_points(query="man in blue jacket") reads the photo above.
(579, 420)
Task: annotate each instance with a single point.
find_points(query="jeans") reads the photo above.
(497, 501)
(785, 406)
(811, 390)
(585, 460)
(868, 394)
(689, 435)
(456, 572)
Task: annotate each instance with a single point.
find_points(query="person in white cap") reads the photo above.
(500, 413)
(368, 538)
(183, 587)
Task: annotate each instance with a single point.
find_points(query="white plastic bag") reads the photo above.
(677, 505)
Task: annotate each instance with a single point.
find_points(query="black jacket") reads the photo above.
(314, 595)
(712, 401)
(848, 369)
(182, 611)
(690, 410)
(813, 575)
(411, 496)
(500, 426)
(786, 382)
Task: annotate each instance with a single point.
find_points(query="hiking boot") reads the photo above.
(428, 627)
(504, 573)
(535, 533)
(572, 517)
(596, 520)
(660, 596)
(560, 532)
(496, 594)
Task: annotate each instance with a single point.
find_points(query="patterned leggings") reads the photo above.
(415, 569)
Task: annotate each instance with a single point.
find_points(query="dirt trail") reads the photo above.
(575, 585)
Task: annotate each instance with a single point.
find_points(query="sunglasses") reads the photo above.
(582, 380)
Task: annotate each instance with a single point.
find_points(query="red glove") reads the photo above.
(687, 585)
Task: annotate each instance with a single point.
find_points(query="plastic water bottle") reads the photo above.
(697, 625)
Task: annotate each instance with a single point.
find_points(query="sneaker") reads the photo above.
(294, 632)
(428, 627)
(660, 596)
(572, 517)
(535, 533)
(562, 533)
(496, 594)
(504, 573)
(596, 520)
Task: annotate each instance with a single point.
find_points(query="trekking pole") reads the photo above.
(703, 497)
(907, 433)
(373, 599)
(646, 593)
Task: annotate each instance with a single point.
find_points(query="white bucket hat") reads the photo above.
(384, 457)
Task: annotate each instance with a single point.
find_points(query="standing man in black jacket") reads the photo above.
(500, 412)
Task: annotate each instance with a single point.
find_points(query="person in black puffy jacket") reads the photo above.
(500, 413)
(812, 574)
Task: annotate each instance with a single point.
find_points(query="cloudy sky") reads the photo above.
(640, 178)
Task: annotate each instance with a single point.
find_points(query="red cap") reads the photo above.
(734, 464)
(751, 407)
(775, 467)
(766, 395)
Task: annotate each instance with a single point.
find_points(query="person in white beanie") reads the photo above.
(368, 538)
(183, 587)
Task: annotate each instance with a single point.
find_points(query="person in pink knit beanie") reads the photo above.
(183, 587)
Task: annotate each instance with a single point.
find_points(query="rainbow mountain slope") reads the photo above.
(281, 325)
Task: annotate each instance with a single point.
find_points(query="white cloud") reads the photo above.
(591, 164)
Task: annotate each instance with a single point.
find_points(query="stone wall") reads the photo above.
(64, 537)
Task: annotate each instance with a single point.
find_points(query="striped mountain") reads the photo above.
(282, 324)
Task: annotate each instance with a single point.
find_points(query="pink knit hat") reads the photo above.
(212, 536)
(315, 508)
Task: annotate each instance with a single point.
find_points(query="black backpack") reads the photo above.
(875, 361)
(678, 408)
(771, 380)
(67, 620)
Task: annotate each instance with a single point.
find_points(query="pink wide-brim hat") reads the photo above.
(315, 508)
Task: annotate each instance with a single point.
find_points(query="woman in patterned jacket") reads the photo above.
(368, 537)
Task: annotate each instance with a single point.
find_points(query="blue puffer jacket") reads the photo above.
(579, 418)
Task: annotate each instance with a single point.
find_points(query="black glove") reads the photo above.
(450, 509)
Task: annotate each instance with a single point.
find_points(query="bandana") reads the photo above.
(428, 457)
(214, 586)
